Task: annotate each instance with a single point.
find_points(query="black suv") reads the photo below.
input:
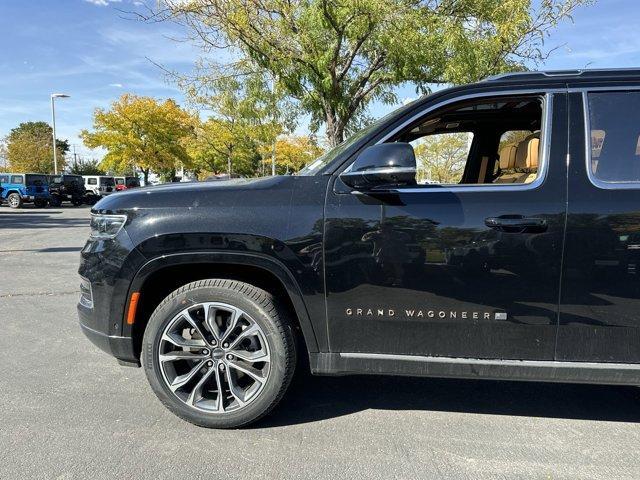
(485, 231)
(66, 187)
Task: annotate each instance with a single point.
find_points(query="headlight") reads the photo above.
(106, 226)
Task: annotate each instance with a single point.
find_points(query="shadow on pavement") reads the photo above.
(312, 399)
(45, 250)
(40, 219)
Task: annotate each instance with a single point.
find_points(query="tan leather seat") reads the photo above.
(527, 157)
(508, 156)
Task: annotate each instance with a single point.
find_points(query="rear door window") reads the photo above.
(614, 131)
(36, 180)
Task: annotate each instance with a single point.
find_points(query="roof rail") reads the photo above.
(600, 72)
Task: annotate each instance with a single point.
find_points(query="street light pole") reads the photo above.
(53, 122)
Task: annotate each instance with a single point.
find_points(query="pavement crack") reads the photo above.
(39, 294)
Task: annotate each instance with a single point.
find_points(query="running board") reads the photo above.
(523, 370)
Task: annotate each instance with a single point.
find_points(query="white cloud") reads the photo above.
(102, 3)
(115, 85)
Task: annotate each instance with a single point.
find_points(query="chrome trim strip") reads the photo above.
(380, 170)
(492, 362)
(545, 139)
(603, 184)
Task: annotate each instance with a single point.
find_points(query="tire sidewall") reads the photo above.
(277, 348)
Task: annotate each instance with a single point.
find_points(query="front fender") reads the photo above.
(250, 259)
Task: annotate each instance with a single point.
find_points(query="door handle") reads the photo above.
(516, 224)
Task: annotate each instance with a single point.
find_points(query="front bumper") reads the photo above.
(109, 266)
(119, 347)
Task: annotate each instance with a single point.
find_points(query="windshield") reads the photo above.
(329, 156)
(107, 181)
(37, 180)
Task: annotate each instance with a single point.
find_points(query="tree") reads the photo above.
(29, 148)
(87, 167)
(337, 56)
(144, 133)
(294, 152)
(245, 106)
(224, 146)
(441, 158)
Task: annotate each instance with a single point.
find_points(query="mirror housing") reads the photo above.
(383, 166)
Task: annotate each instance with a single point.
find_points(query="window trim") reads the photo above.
(596, 182)
(545, 139)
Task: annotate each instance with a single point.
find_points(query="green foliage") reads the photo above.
(224, 146)
(87, 167)
(441, 158)
(29, 148)
(334, 57)
(292, 153)
(144, 133)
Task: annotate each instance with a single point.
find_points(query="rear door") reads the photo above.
(600, 304)
(423, 271)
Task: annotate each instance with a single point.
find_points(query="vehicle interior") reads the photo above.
(487, 141)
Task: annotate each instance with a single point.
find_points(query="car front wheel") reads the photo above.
(219, 353)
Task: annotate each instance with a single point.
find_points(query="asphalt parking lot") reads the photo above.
(69, 411)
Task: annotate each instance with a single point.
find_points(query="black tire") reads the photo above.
(76, 201)
(264, 309)
(14, 200)
(40, 203)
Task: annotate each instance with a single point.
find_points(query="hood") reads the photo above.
(196, 194)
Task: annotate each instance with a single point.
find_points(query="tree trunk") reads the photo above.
(335, 129)
(145, 172)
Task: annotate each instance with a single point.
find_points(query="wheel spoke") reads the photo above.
(182, 380)
(210, 321)
(180, 341)
(253, 357)
(220, 397)
(235, 316)
(187, 316)
(197, 390)
(247, 332)
(236, 391)
(180, 355)
(252, 372)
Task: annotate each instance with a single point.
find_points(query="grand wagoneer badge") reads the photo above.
(422, 313)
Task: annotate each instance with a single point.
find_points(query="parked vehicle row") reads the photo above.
(42, 190)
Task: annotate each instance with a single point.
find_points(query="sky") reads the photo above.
(93, 51)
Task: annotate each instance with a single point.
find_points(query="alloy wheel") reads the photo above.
(214, 357)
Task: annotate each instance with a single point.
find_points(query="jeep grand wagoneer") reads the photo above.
(485, 231)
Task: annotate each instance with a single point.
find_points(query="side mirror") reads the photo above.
(383, 166)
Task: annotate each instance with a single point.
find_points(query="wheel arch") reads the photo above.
(160, 276)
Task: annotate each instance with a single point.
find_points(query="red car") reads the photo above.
(122, 183)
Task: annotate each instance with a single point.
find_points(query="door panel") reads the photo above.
(600, 304)
(427, 272)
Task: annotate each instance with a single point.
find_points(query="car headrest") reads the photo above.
(508, 157)
(528, 151)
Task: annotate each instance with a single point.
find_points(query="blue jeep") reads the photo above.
(19, 188)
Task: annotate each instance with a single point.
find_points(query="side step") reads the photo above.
(522, 370)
